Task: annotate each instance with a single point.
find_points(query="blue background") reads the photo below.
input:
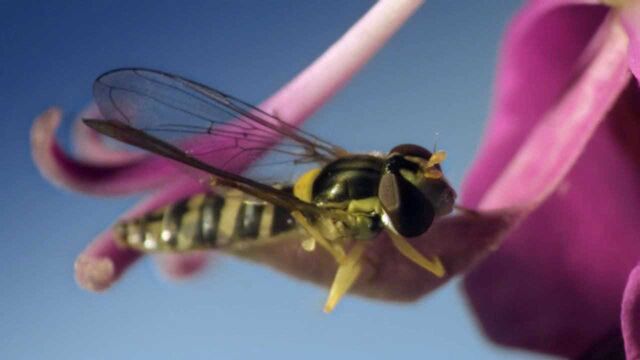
(431, 83)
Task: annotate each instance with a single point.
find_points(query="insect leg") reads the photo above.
(346, 276)
(336, 251)
(433, 265)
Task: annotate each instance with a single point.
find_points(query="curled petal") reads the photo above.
(64, 170)
(459, 240)
(103, 261)
(631, 315)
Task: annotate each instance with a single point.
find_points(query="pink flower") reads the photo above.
(555, 107)
(564, 140)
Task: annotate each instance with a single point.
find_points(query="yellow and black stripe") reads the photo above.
(206, 221)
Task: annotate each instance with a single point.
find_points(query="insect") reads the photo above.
(341, 205)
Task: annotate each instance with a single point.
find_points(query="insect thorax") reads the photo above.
(349, 184)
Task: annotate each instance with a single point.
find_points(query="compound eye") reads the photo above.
(409, 211)
(412, 150)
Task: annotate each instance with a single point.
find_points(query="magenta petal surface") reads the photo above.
(556, 141)
(555, 284)
(631, 315)
(529, 83)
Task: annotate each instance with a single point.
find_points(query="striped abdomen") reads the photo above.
(206, 221)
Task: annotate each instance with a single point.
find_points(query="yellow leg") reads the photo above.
(346, 276)
(434, 265)
(335, 250)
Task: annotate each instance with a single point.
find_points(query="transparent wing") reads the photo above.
(135, 137)
(205, 123)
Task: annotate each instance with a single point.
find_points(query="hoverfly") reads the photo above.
(342, 204)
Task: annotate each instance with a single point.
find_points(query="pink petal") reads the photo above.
(293, 103)
(66, 171)
(631, 22)
(557, 139)
(537, 63)
(555, 284)
(631, 315)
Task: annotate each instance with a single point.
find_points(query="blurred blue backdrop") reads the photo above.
(431, 83)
